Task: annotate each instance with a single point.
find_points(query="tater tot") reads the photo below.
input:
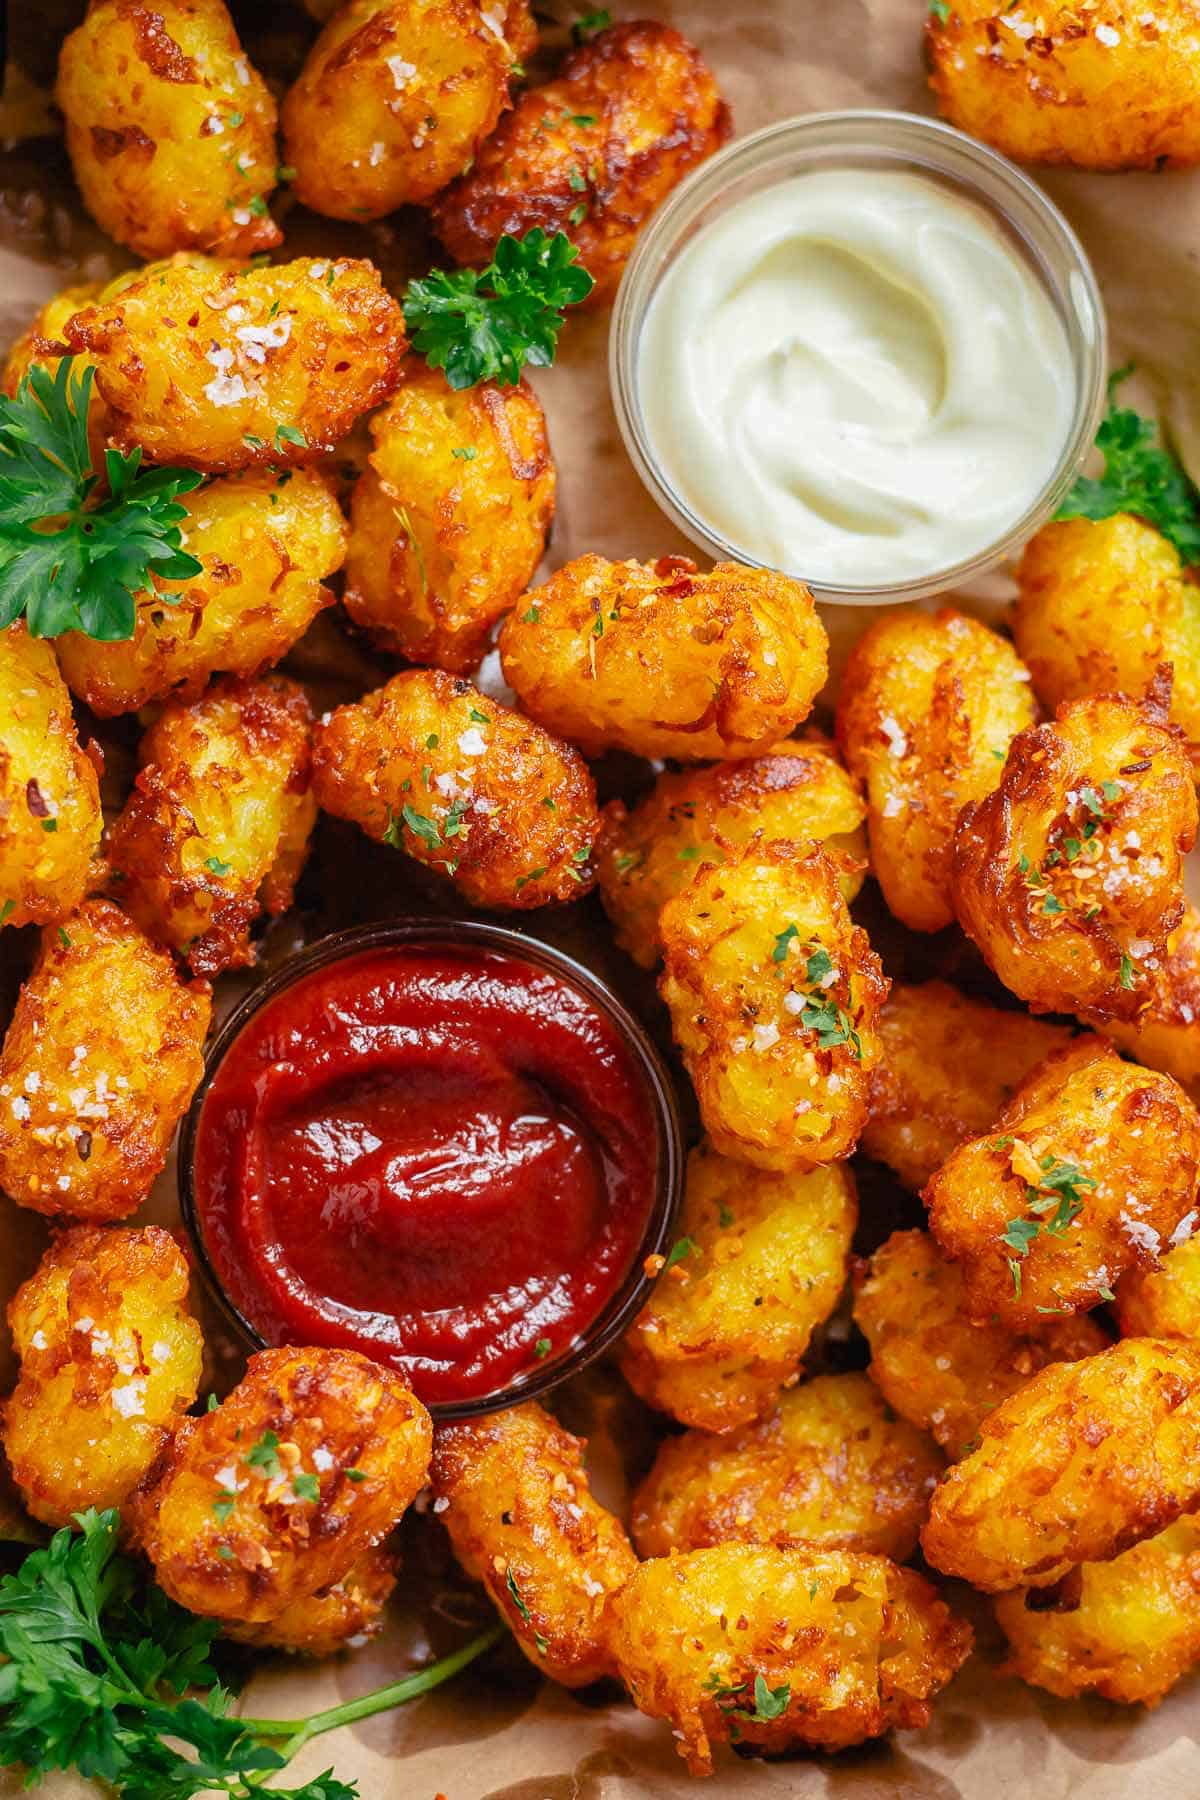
(948, 1066)
(1087, 1459)
(46, 329)
(220, 367)
(102, 1056)
(1102, 605)
(1166, 1034)
(764, 1259)
(830, 1467)
(647, 854)
(591, 153)
(512, 1491)
(929, 1359)
(50, 820)
(1131, 1633)
(171, 131)
(1114, 86)
(110, 1362)
(449, 520)
(1070, 875)
(778, 1649)
(927, 709)
(341, 1617)
(276, 1494)
(662, 660)
(464, 785)
(773, 995)
(216, 830)
(1089, 1172)
(1163, 1300)
(266, 541)
(394, 99)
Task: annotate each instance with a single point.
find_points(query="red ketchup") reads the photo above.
(442, 1157)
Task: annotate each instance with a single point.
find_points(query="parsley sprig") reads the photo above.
(72, 558)
(486, 324)
(1054, 1200)
(819, 1012)
(105, 1675)
(1140, 476)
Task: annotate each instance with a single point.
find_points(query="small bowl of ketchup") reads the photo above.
(446, 1145)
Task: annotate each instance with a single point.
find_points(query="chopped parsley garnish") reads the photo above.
(940, 10)
(7, 909)
(517, 1600)
(216, 867)
(356, 1475)
(769, 1703)
(1141, 477)
(819, 1012)
(541, 1348)
(464, 452)
(1055, 1200)
(64, 937)
(480, 718)
(531, 617)
(306, 1486)
(223, 1508)
(264, 1455)
(682, 1247)
(589, 23)
(1126, 971)
(783, 942)
(289, 434)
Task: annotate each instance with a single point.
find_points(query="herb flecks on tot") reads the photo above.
(1054, 1195)
(817, 1011)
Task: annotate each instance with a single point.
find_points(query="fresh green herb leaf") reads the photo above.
(682, 1247)
(625, 860)
(589, 23)
(222, 1509)
(511, 1584)
(1126, 971)
(783, 943)
(940, 9)
(64, 937)
(541, 1348)
(306, 1486)
(431, 742)
(531, 617)
(264, 1455)
(212, 1403)
(576, 182)
(465, 452)
(254, 443)
(356, 1475)
(578, 214)
(1140, 477)
(582, 119)
(289, 434)
(769, 1703)
(215, 866)
(480, 718)
(7, 909)
(524, 880)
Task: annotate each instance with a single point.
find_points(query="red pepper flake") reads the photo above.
(35, 800)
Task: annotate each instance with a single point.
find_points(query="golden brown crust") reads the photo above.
(591, 153)
(1166, 1033)
(343, 1616)
(512, 1491)
(1163, 1300)
(101, 1058)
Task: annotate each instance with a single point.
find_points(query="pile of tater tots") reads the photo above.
(1015, 1058)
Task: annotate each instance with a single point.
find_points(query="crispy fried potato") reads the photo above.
(103, 1054)
(220, 367)
(50, 820)
(662, 660)
(1086, 1460)
(265, 542)
(1131, 1634)
(1070, 876)
(851, 1644)
(1166, 1035)
(591, 153)
(1090, 1171)
(931, 1362)
(45, 330)
(1112, 86)
(645, 856)
(465, 786)
(342, 1617)
(512, 1491)
(254, 1508)
(216, 830)
(393, 101)
(1163, 1300)
(773, 995)
(830, 1467)
(110, 1362)
(450, 519)
(728, 1323)
(948, 1066)
(1102, 605)
(927, 709)
(170, 130)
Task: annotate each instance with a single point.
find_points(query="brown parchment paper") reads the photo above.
(500, 1734)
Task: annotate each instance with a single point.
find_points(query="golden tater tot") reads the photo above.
(50, 820)
(591, 153)
(1133, 1631)
(662, 660)
(764, 1261)
(512, 1491)
(773, 995)
(342, 1617)
(1109, 86)
(110, 1362)
(449, 521)
(393, 101)
(220, 367)
(1163, 1300)
(276, 1494)
(830, 1467)
(1090, 1171)
(930, 1361)
(467, 787)
(216, 830)
(1166, 1034)
(645, 856)
(170, 130)
(948, 1066)
(266, 542)
(1087, 1459)
(782, 1648)
(103, 1054)
(1070, 875)
(927, 709)
(45, 330)
(1102, 605)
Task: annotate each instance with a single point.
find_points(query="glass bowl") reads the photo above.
(866, 139)
(635, 1287)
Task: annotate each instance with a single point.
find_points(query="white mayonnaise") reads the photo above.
(856, 377)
